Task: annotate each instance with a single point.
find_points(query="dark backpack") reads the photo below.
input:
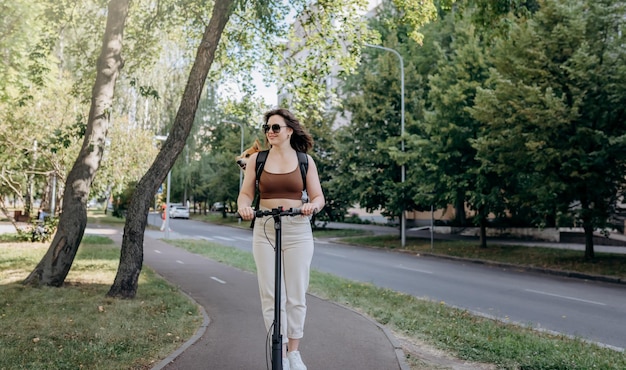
(303, 161)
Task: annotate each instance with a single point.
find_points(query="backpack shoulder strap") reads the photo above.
(303, 160)
(260, 164)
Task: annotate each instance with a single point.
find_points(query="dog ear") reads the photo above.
(257, 145)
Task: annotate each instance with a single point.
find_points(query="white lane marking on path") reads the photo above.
(414, 269)
(157, 251)
(243, 238)
(565, 297)
(218, 280)
(181, 262)
(206, 238)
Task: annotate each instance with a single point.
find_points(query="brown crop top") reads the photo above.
(281, 185)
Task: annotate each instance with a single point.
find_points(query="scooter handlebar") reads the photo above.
(278, 212)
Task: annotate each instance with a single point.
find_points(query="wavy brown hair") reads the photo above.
(300, 140)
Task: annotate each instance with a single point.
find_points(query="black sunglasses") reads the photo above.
(275, 128)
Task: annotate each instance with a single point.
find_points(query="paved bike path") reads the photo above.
(234, 336)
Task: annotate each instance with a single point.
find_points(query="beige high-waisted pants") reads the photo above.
(297, 253)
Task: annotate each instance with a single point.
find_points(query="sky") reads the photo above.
(268, 93)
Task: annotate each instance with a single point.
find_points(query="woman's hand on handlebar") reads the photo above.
(308, 209)
(246, 213)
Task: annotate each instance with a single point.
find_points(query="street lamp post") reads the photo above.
(402, 171)
(167, 198)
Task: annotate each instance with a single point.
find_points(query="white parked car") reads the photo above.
(217, 207)
(179, 212)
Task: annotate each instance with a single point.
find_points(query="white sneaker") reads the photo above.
(295, 361)
(286, 364)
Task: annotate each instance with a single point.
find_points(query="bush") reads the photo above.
(39, 231)
(354, 218)
(122, 200)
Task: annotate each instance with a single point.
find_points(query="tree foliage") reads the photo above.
(450, 129)
(368, 154)
(518, 117)
(554, 112)
(19, 33)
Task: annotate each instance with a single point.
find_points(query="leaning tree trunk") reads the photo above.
(56, 263)
(131, 257)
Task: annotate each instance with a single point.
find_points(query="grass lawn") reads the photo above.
(604, 264)
(76, 326)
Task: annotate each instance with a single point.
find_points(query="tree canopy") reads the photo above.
(513, 109)
(554, 113)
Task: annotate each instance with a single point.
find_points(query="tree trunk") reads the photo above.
(588, 227)
(459, 211)
(131, 258)
(483, 228)
(483, 233)
(56, 263)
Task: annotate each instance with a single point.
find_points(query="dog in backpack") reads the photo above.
(242, 160)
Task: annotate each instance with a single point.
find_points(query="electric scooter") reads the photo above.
(277, 338)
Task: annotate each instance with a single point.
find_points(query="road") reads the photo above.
(591, 310)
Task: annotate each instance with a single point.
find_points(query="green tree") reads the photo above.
(38, 138)
(211, 169)
(449, 129)
(18, 33)
(368, 154)
(324, 48)
(327, 165)
(127, 154)
(554, 115)
(34, 102)
(55, 265)
(131, 258)
(492, 16)
(77, 55)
